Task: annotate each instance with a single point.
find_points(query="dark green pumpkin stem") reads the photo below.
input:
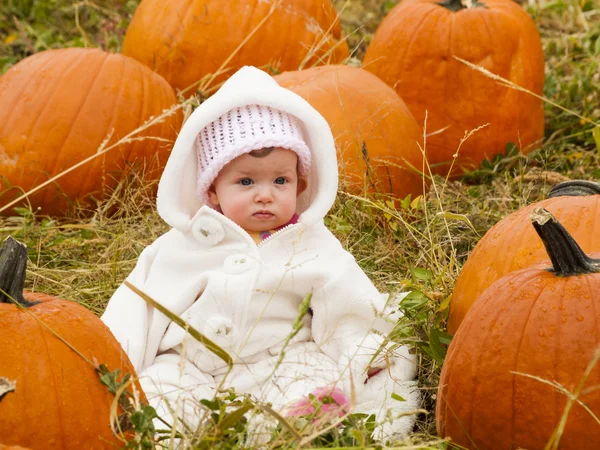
(13, 266)
(568, 259)
(457, 5)
(575, 188)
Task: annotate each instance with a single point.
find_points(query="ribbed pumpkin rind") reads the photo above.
(534, 323)
(512, 244)
(186, 40)
(414, 51)
(59, 401)
(360, 108)
(59, 106)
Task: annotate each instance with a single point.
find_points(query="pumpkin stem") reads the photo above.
(13, 265)
(457, 5)
(568, 259)
(575, 188)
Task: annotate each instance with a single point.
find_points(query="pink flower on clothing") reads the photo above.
(329, 400)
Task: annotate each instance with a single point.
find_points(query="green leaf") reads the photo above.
(22, 211)
(444, 305)
(406, 202)
(421, 274)
(235, 416)
(509, 150)
(213, 405)
(398, 397)
(444, 337)
(438, 341)
(142, 419)
(371, 424)
(111, 379)
(416, 202)
(358, 416)
(447, 215)
(413, 300)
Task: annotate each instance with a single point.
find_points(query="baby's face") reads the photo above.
(259, 193)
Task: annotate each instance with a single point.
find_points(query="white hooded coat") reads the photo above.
(245, 297)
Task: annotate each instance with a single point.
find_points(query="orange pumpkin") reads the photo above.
(512, 244)
(58, 400)
(186, 40)
(56, 109)
(414, 51)
(377, 138)
(536, 322)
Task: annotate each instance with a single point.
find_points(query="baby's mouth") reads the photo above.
(263, 215)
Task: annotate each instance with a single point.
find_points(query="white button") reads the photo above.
(238, 263)
(220, 329)
(208, 231)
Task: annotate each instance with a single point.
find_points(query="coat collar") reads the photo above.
(210, 228)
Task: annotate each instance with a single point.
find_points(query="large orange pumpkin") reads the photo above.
(56, 109)
(59, 402)
(186, 40)
(512, 244)
(414, 51)
(536, 322)
(377, 138)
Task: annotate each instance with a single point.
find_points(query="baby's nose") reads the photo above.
(264, 194)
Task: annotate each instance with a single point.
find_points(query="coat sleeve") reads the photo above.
(348, 321)
(127, 314)
(346, 312)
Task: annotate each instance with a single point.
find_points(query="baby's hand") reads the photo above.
(323, 403)
(372, 372)
(400, 367)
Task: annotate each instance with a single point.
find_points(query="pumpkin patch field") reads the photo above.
(468, 146)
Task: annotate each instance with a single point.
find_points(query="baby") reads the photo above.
(251, 176)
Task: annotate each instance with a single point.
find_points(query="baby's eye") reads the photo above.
(245, 181)
(280, 180)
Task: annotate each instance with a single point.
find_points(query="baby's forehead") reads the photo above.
(267, 156)
(263, 160)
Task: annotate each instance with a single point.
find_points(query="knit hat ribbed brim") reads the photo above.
(241, 131)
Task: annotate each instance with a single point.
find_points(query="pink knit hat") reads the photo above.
(240, 131)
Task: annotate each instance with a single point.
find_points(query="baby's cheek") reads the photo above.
(241, 210)
(236, 210)
(289, 206)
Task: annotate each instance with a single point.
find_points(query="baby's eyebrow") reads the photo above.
(244, 172)
(287, 170)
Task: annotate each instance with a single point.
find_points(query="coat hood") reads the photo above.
(177, 200)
